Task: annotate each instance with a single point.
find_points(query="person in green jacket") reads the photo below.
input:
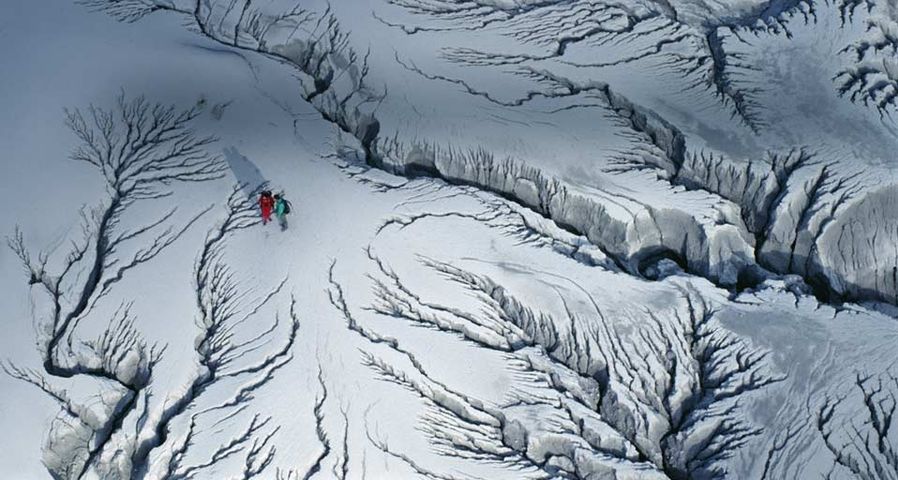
(281, 209)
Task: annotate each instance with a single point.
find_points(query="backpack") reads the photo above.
(286, 206)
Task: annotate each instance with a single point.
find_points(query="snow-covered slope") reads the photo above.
(530, 239)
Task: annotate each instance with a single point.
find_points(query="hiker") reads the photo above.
(266, 204)
(281, 209)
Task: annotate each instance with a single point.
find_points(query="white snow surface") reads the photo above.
(587, 240)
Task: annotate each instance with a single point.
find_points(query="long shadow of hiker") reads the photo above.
(245, 171)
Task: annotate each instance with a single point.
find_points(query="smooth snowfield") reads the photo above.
(561, 273)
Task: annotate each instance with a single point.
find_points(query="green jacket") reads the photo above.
(280, 207)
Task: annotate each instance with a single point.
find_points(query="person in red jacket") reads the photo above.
(266, 204)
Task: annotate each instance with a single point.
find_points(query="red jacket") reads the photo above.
(266, 203)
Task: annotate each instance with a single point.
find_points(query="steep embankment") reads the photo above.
(795, 214)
